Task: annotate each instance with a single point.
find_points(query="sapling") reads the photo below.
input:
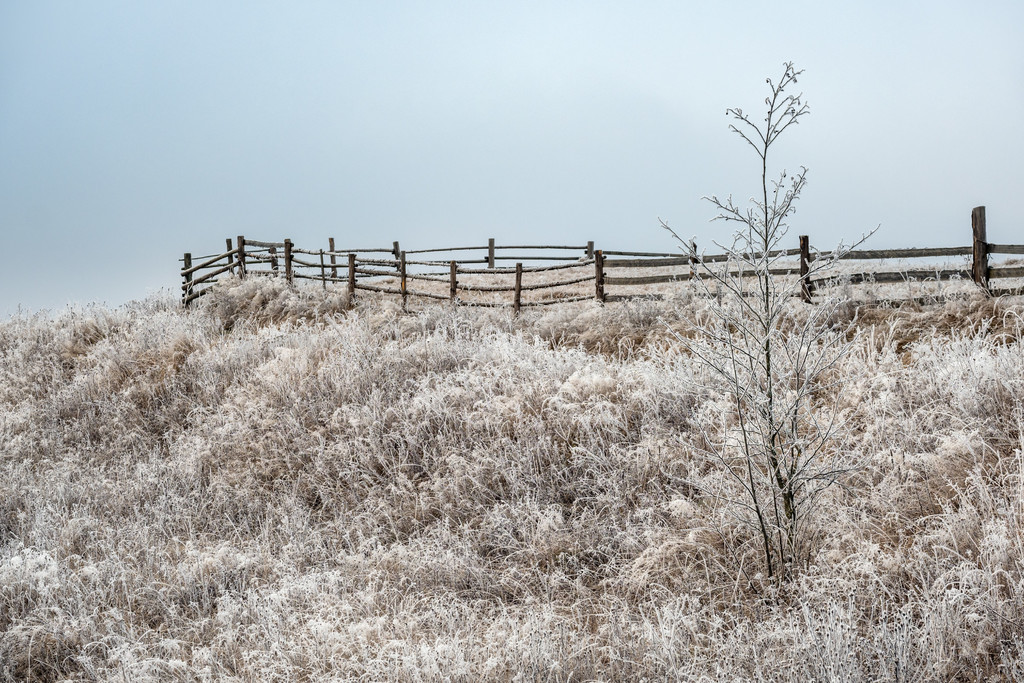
(771, 355)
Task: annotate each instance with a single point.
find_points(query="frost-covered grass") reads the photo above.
(269, 487)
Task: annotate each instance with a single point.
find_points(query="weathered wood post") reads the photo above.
(323, 272)
(188, 279)
(490, 252)
(401, 271)
(273, 259)
(334, 264)
(980, 266)
(517, 299)
(351, 278)
(599, 275)
(453, 289)
(241, 255)
(288, 260)
(590, 249)
(230, 248)
(805, 267)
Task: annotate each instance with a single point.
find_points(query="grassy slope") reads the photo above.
(265, 489)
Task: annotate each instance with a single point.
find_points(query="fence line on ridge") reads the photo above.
(390, 270)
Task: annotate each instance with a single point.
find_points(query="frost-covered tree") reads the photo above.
(769, 354)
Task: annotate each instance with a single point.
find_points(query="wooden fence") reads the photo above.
(475, 275)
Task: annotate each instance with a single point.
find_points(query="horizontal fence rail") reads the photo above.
(559, 274)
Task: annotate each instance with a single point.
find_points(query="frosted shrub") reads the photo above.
(767, 366)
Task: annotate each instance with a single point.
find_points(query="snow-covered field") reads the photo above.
(268, 487)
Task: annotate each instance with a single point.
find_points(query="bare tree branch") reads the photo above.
(774, 362)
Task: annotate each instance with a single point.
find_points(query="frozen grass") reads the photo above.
(270, 488)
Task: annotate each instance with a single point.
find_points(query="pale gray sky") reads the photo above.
(131, 132)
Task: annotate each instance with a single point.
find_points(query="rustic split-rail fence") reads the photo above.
(477, 276)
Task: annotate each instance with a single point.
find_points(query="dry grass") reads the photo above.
(269, 487)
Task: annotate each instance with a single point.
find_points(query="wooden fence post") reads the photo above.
(453, 290)
(980, 267)
(599, 275)
(188, 279)
(288, 260)
(273, 259)
(401, 271)
(241, 256)
(323, 272)
(490, 252)
(334, 264)
(231, 261)
(517, 300)
(590, 249)
(805, 267)
(351, 278)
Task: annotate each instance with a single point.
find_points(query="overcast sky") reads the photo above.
(131, 132)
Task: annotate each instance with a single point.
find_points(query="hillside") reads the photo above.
(270, 487)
